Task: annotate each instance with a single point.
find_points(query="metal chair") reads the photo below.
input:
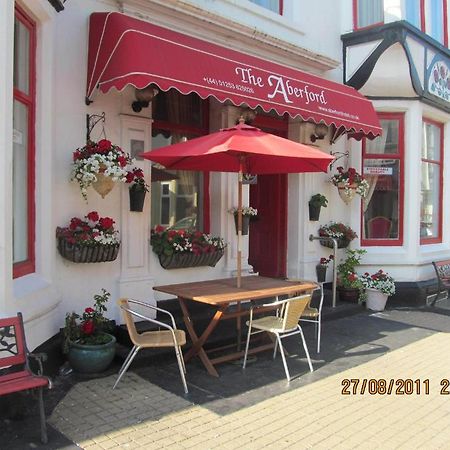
(283, 324)
(314, 315)
(170, 337)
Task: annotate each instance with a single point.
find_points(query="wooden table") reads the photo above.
(221, 294)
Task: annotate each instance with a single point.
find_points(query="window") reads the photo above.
(382, 215)
(23, 144)
(431, 183)
(274, 5)
(430, 16)
(367, 13)
(179, 197)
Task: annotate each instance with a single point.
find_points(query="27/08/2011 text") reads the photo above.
(382, 386)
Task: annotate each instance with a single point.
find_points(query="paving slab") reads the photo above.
(257, 408)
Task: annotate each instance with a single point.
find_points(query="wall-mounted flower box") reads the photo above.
(341, 243)
(189, 259)
(177, 249)
(88, 240)
(87, 254)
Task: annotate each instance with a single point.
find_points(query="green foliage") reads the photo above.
(347, 277)
(318, 200)
(90, 327)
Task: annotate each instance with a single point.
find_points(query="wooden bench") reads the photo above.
(442, 269)
(15, 372)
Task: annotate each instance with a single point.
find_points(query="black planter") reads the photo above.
(341, 243)
(189, 259)
(137, 198)
(245, 224)
(321, 272)
(87, 254)
(314, 212)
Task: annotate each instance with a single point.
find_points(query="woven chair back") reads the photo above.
(293, 309)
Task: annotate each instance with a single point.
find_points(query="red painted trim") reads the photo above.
(281, 7)
(29, 266)
(397, 156)
(437, 239)
(445, 16)
(355, 14)
(422, 16)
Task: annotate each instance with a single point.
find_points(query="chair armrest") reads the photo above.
(155, 308)
(39, 358)
(149, 319)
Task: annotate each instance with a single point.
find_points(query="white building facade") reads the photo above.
(43, 112)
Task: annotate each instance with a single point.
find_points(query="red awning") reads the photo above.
(124, 50)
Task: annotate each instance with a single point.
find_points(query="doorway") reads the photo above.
(268, 232)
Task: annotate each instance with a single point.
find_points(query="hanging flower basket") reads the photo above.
(104, 184)
(189, 259)
(87, 254)
(341, 243)
(346, 192)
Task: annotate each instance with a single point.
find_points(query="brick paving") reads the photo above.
(140, 414)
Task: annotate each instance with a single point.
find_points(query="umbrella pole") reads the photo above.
(239, 252)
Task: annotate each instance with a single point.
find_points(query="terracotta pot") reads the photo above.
(348, 294)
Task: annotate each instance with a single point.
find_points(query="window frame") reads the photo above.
(29, 100)
(436, 239)
(166, 125)
(280, 7)
(423, 20)
(400, 156)
(355, 18)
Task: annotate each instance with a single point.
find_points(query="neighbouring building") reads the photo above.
(279, 64)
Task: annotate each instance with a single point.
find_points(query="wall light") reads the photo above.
(144, 97)
(320, 131)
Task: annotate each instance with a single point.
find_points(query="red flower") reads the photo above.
(89, 310)
(106, 223)
(76, 155)
(93, 216)
(130, 177)
(104, 145)
(122, 161)
(138, 173)
(172, 233)
(88, 327)
(75, 222)
(159, 229)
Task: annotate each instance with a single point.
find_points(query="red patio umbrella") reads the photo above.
(242, 149)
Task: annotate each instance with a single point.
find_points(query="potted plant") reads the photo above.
(349, 284)
(186, 248)
(343, 233)
(93, 239)
(100, 165)
(247, 213)
(349, 182)
(138, 189)
(89, 346)
(315, 203)
(378, 287)
(321, 268)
